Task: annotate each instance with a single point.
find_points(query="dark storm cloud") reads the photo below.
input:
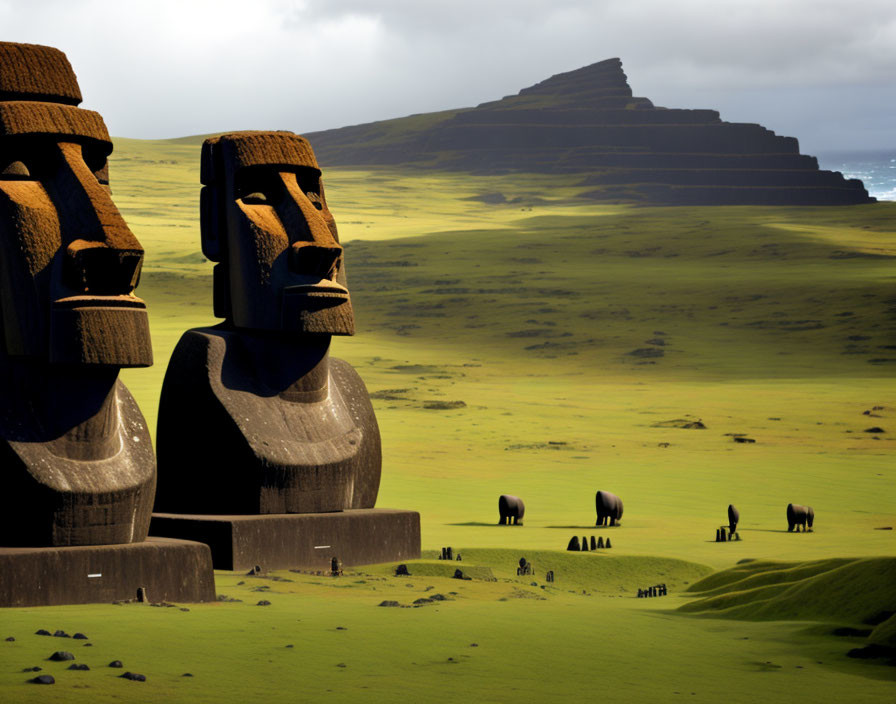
(822, 71)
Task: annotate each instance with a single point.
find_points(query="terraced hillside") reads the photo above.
(588, 121)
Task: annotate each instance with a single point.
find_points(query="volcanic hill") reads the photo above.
(588, 121)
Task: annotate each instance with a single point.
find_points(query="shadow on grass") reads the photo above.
(476, 523)
(583, 527)
(771, 530)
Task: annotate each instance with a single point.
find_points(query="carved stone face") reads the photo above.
(265, 220)
(68, 262)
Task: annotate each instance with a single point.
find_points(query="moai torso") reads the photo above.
(255, 416)
(76, 462)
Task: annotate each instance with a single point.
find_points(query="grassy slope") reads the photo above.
(526, 312)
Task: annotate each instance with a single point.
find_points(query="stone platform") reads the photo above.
(311, 540)
(169, 570)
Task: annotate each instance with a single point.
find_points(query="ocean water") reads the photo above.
(877, 169)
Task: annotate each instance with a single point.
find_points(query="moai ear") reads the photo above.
(209, 222)
(221, 291)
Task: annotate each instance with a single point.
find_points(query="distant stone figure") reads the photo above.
(733, 519)
(799, 516)
(609, 508)
(255, 417)
(574, 544)
(77, 461)
(511, 507)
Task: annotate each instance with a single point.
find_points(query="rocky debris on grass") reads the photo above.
(658, 341)
(43, 679)
(33, 669)
(187, 674)
(876, 430)
(116, 663)
(77, 666)
(389, 602)
(744, 440)
(263, 602)
(684, 423)
(435, 405)
(422, 601)
(224, 597)
(80, 636)
(646, 353)
(61, 656)
(341, 628)
(42, 632)
(133, 676)
(439, 597)
(61, 634)
(88, 645)
(10, 639)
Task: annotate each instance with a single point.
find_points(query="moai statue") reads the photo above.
(574, 544)
(594, 544)
(600, 542)
(733, 518)
(78, 466)
(255, 416)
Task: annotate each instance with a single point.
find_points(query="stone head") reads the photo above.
(265, 221)
(69, 264)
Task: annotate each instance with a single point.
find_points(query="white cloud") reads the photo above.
(174, 67)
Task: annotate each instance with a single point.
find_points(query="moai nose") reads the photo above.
(315, 259)
(100, 269)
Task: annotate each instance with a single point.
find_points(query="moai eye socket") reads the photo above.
(258, 187)
(96, 161)
(309, 182)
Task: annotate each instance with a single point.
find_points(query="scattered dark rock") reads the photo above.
(61, 655)
(187, 674)
(884, 528)
(134, 677)
(658, 341)
(876, 429)
(443, 405)
(421, 601)
(684, 423)
(76, 666)
(43, 679)
(32, 669)
(474, 645)
(263, 602)
(388, 602)
(61, 634)
(42, 632)
(116, 663)
(341, 628)
(79, 636)
(10, 639)
(88, 645)
(744, 440)
(646, 353)
(341, 664)
(439, 597)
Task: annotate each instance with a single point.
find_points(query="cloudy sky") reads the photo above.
(820, 70)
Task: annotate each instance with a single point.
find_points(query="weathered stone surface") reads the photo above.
(359, 537)
(268, 449)
(173, 570)
(78, 466)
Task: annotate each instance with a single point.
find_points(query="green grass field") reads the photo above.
(549, 347)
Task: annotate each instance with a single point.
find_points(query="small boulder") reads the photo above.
(263, 602)
(80, 636)
(388, 602)
(133, 676)
(43, 679)
(42, 632)
(10, 639)
(76, 666)
(116, 663)
(61, 655)
(61, 634)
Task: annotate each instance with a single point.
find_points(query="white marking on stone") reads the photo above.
(321, 547)
(94, 575)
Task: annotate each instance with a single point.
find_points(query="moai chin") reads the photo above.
(78, 466)
(255, 416)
